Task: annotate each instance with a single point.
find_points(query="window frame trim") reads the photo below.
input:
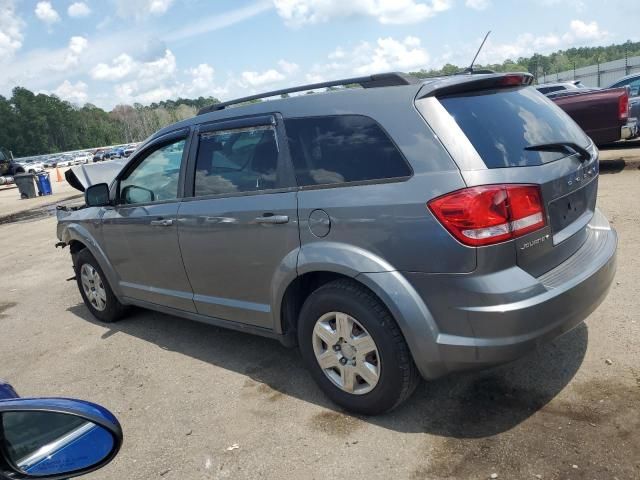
(284, 168)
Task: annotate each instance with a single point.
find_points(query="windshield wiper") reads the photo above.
(570, 147)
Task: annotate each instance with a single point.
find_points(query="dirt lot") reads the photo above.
(185, 392)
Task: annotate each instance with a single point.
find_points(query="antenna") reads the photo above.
(470, 68)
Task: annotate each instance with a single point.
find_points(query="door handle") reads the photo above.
(273, 219)
(162, 223)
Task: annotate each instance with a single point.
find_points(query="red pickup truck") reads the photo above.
(603, 114)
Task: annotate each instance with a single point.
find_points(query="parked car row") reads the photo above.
(112, 153)
(39, 163)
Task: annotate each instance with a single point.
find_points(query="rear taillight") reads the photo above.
(623, 107)
(514, 79)
(490, 214)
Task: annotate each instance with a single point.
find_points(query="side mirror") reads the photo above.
(134, 194)
(55, 438)
(97, 195)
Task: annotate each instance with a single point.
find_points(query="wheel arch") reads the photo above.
(327, 262)
(79, 238)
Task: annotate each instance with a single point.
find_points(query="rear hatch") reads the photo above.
(508, 133)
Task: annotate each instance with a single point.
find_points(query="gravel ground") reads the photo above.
(186, 392)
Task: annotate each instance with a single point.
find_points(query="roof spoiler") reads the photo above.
(467, 83)
(371, 81)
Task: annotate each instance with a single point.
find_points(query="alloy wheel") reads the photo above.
(346, 353)
(93, 287)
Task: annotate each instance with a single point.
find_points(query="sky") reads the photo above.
(109, 52)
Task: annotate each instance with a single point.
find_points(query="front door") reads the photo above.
(140, 233)
(241, 221)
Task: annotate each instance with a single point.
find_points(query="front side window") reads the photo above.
(155, 178)
(342, 149)
(236, 161)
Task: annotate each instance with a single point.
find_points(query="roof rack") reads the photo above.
(372, 81)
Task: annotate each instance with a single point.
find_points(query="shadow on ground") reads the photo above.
(470, 405)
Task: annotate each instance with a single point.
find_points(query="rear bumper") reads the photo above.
(491, 319)
(630, 130)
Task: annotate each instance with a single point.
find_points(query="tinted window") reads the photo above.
(156, 177)
(339, 149)
(234, 161)
(501, 123)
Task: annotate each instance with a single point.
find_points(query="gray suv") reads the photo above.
(400, 230)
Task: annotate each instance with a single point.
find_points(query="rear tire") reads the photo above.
(367, 367)
(95, 289)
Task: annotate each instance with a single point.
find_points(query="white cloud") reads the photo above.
(271, 76)
(255, 79)
(45, 12)
(586, 31)
(391, 54)
(10, 30)
(159, 68)
(139, 9)
(202, 76)
(155, 80)
(120, 67)
(78, 10)
(300, 12)
(77, 45)
(288, 68)
(74, 93)
(387, 54)
(478, 4)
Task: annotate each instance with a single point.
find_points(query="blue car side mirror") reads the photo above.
(55, 438)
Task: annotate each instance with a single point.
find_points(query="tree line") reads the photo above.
(34, 124)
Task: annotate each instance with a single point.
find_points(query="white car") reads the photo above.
(83, 157)
(30, 166)
(66, 161)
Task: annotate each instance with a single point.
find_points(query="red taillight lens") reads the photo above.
(513, 79)
(623, 107)
(490, 214)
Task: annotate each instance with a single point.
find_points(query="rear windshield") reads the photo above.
(501, 123)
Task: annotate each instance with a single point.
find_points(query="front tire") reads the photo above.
(354, 349)
(95, 289)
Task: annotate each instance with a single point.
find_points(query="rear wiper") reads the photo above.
(583, 153)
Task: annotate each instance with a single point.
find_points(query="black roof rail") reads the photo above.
(371, 81)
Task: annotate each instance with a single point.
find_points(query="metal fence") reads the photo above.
(599, 75)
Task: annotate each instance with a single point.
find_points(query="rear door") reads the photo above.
(502, 135)
(240, 225)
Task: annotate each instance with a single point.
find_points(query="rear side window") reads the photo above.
(501, 123)
(341, 149)
(235, 161)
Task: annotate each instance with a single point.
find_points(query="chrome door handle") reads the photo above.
(273, 219)
(162, 223)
